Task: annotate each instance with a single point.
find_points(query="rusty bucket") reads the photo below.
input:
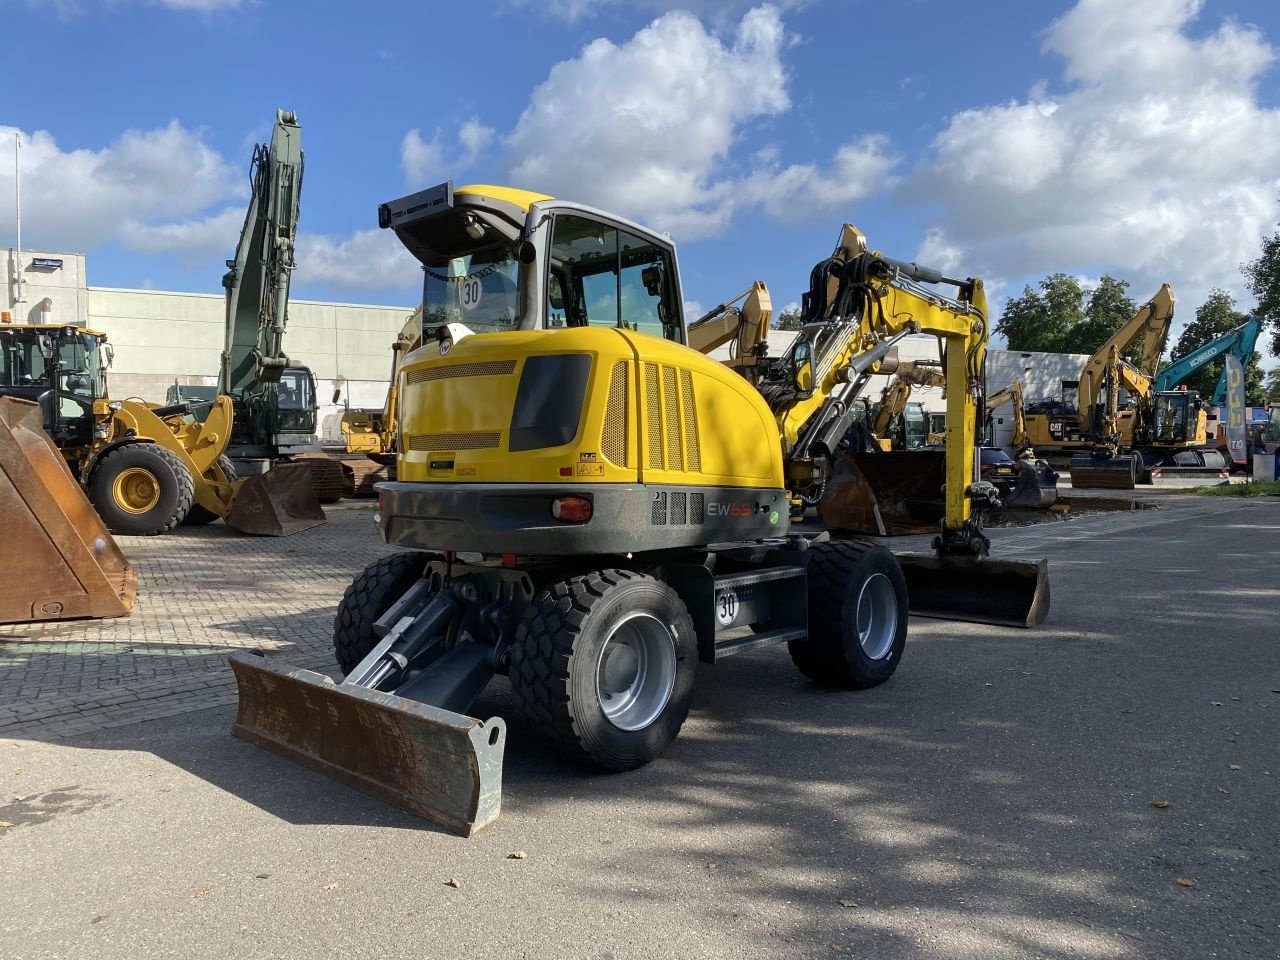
(277, 503)
(66, 565)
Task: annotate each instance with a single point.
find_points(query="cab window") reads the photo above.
(601, 276)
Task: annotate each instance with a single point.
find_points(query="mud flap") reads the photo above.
(440, 765)
(66, 563)
(1007, 593)
(1094, 471)
(277, 503)
(897, 492)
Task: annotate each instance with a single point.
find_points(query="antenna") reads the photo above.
(17, 212)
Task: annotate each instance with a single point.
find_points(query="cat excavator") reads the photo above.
(590, 506)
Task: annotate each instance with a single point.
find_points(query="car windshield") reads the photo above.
(479, 290)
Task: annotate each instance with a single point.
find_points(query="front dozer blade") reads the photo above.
(440, 765)
(1103, 471)
(66, 565)
(277, 503)
(896, 492)
(1007, 593)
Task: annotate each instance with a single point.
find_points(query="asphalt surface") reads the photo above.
(1102, 786)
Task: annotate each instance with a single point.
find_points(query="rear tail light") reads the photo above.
(571, 509)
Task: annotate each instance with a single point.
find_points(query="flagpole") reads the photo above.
(17, 212)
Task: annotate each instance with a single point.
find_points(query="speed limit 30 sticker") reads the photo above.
(726, 607)
(470, 293)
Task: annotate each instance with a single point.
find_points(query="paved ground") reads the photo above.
(994, 800)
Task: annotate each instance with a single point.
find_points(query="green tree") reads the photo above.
(1065, 317)
(1040, 320)
(1216, 316)
(1271, 386)
(1263, 276)
(1108, 309)
(787, 320)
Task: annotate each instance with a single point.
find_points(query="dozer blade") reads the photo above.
(1008, 593)
(66, 565)
(277, 503)
(898, 492)
(440, 765)
(1097, 471)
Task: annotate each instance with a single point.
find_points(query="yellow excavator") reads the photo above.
(1114, 446)
(590, 506)
(888, 422)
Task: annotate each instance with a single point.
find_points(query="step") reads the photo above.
(731, 581)
(767, 639)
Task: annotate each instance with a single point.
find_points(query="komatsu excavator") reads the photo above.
(590, 506)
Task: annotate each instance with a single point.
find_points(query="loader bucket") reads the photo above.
(437, 764)
(277, 503)
(66, 563)
(1102, 471)
(898, 492)
(1008, 593)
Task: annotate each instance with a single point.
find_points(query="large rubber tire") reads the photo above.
(558, 659)
(198, 516)
(149, 463)
(370, 595)
(857, 616)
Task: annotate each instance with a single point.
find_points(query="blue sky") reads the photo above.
(1004, 139)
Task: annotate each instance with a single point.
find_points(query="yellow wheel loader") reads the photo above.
(145, 469)
(592, 507)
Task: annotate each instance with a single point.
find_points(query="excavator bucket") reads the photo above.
(67, 565)
(1101, 470)
(885, 493)
(900, 492)
(1036, 487)
(277, 503)
(440, 765)
(1007, 593)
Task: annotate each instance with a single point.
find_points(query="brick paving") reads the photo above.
(202, 593)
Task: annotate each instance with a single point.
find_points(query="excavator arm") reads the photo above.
(1012, 394)
(893, 400)
(746, 327)
(1238, 343)
(1151, 321)
(257, 280)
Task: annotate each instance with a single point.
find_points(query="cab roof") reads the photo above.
(51, 327)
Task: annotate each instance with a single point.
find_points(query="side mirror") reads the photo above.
(802, 367)
(555, 295)
(46, 346)
(337, 395)
(651, 277)
(109, 352)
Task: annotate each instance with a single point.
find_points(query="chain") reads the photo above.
(479, 274)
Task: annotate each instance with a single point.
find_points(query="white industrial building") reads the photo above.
(159, 337)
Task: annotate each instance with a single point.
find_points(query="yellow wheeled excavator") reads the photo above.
(590, 506)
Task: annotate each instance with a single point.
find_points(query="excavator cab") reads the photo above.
(1174, 417)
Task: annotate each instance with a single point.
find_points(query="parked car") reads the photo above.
(997, 467)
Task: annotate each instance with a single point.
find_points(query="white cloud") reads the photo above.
(367, 260)
(79, 199)
(574, 10)
(1156, 161)
(807, 191)
(219, 231)
(427, 162)
(422, 162)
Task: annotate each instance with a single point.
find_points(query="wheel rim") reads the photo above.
(136, 490)
(877, 616)
(637, 672)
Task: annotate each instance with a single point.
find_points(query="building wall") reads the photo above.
(63, 285)
(1044, 376)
